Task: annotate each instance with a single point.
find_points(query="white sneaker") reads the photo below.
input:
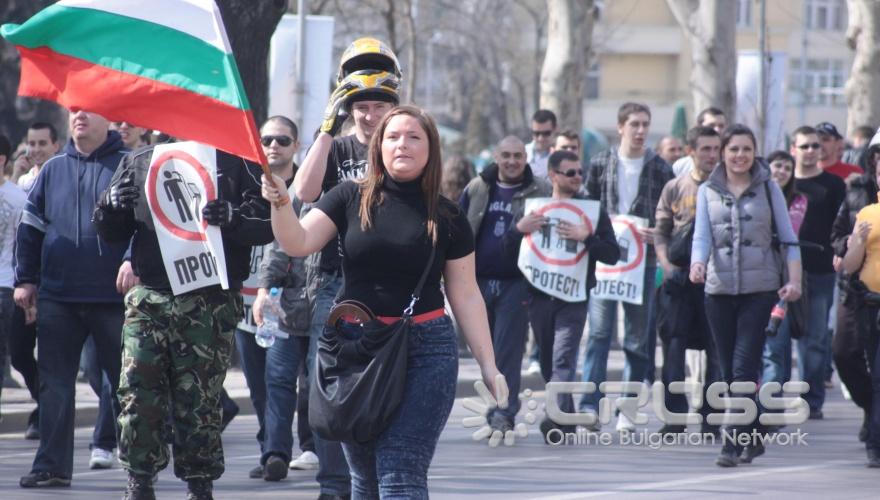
(624, 424)
(534, 368)
(306, 461)
(101, 459)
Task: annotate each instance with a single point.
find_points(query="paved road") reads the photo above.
(830, 466)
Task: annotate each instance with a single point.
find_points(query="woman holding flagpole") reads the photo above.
(388, 224)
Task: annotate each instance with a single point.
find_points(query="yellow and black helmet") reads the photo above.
(367, 53)
(369, 85)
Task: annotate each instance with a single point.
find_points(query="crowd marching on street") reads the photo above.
(373, 232)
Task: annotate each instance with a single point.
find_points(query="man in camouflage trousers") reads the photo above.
(176, 349)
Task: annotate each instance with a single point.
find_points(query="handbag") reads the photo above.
(678, 251)
(799, 310)
(360, 378)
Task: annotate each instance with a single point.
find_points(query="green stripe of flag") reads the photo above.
(134, 46)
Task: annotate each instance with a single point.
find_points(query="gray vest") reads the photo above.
(742, 260)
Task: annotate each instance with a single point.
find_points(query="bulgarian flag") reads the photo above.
(160, 64)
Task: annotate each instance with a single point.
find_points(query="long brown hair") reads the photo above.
(371, 184)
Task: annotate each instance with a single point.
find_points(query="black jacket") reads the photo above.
(601, 245)
(238, 182)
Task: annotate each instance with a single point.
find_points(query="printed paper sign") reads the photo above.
(249, 288)
(625, 279)
(181, 180)
(554, 265)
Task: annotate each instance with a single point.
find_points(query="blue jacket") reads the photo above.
(57, 246)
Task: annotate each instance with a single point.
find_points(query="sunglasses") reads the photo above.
(571, 173)
(542, 133)
(812, 145)
(282, 140)
(507, 155)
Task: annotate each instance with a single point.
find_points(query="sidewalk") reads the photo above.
(16, 404)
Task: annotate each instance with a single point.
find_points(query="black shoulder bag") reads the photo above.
(359, 383)
(798, 310)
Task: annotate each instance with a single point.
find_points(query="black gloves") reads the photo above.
(221, 213)
(120, 196)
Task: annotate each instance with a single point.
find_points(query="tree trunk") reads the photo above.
(710, 27)
(863, 87)
(569, 33)
(17, 113)
(249, 26)
(409, 22)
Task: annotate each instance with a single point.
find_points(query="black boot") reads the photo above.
(199, 489)
(139, 488)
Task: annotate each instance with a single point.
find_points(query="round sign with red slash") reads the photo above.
(560, 211)
(622, 226)
(177, 184)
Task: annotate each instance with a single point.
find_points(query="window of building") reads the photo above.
(829, 15)
(821, 83)
(592, 82)
(744, 13)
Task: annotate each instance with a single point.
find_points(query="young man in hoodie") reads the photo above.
(493, 201)
(59, 252)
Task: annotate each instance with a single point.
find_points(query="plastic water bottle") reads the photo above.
(272, 314)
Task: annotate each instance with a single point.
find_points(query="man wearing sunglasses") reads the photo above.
(271, 373)
(824, 193)
(493, 201)
(543, 131)
(559, 325)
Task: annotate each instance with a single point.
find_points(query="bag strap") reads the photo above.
(418, 291)
(775, 234)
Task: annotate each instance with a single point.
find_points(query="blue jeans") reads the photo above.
(62, 328)
(395, 465)
(507, 308)
(104, 435)
(253, 365)
(813, 347)
(737, 323)
(333, 475)
(282, 366)
(636, 339)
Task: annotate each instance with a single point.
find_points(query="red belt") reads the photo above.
(418, 318)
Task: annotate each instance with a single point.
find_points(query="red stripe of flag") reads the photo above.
(120, 96)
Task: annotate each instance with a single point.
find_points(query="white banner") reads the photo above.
(625, 279)
(748, 84)
(319, 68)
(181, 180)
(249, 288)
(557, 266)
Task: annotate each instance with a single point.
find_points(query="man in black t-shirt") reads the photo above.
(330, 161)
(824, 193)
